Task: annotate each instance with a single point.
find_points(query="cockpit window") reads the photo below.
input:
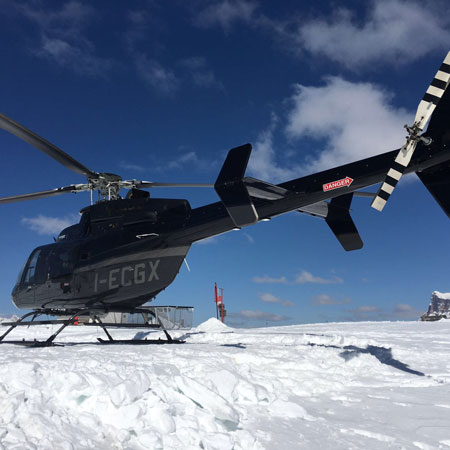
(36, 270)
(61, 261)
(19, 277)
(31, 267)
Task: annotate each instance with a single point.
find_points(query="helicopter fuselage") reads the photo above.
(119, 254)
(124, 252)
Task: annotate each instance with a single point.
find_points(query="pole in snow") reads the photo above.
(219, 304)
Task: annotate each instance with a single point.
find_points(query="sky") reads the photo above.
(161, 91)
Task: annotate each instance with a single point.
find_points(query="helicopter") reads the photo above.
(125, 251)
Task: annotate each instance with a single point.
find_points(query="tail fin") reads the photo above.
(231, 189)
(337, 216)
(437, 180)
(341, 223)
(438, 128)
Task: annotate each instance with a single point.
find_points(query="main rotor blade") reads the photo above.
(43, 194)
(425, 109)
(47, 147)
(151, 184)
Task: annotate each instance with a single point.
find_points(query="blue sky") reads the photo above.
(161, 90)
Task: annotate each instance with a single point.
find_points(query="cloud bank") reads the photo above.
(393, 31)
(348, 120)
(47, 225)
(267, 297)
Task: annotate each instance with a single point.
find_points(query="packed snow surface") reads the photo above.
(324, 386)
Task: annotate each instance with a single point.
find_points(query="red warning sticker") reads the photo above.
(345, 182)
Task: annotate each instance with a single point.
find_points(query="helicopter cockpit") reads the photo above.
(47, 263)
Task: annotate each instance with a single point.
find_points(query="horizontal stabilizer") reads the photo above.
(341, 223)
(231, 188)
(262, 189)
(437, 180)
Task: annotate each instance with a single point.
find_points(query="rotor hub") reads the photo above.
(108, 185)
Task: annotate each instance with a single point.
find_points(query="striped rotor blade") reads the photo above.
(434, 93)
(393, 176)
(424, 111)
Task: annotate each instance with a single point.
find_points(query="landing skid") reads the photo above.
(141, 342)
(34, 344)
(49, 342)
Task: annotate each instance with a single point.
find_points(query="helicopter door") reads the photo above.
(60, 268)
(34, 283)
(41, 293)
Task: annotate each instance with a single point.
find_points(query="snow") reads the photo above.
(445, 296)
(374, 385)
(213, 325)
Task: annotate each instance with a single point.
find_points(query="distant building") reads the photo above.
(439, 307)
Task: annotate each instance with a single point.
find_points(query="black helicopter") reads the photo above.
(124, 251)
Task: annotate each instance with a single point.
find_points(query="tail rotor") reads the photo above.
(425, 109)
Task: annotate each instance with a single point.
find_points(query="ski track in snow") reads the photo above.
(376, 385)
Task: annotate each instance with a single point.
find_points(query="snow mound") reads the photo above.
(8, 319)
(212, 325)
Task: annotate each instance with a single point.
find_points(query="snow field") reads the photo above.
(325, 386)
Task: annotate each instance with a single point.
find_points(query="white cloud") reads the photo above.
(185, 159)
(267, 279)
(200, 73)
(155, 75)
(391, 31)
(367, 312)
(394, 31)
(401, 311)
(324, 299)
(182, 160)
(307, 277)
(139, 23)
(288, 303)
(49, 225)
(225, 13)
(302, 278)
(68, 20)
(267, 297)
(62, 38)
(79, 58)
(367, 309)
(355, 120)
(133, 167)
(349, 120)
(258, 315)
(405, 311)
(263, 162)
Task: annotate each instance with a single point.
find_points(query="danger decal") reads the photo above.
(345, 182)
